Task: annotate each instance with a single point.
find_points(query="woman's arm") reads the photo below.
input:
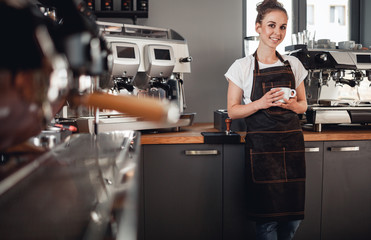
(237, 110)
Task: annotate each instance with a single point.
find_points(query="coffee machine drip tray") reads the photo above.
(319, 115)
(343, 103)
(108, 124)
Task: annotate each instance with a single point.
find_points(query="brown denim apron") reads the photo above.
(275, 163)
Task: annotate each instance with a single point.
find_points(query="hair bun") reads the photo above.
(267, 6)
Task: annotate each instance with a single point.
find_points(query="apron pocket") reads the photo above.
(278, 166)
(295, 165)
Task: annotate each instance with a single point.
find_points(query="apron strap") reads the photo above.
(285, 62)
(256, 67)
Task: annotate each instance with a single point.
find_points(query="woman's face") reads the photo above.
(272, 29)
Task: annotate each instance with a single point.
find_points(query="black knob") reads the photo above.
(186, 59)
(321, 57)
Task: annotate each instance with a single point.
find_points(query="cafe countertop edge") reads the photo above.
(192, 134)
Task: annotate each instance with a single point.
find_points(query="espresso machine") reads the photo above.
(338, 86)
(148, 62)
(54, 184)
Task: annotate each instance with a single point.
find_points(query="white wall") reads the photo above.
(213, 30)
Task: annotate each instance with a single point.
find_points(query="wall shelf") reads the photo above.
(121, 14)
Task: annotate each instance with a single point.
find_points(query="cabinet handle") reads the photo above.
(344, 149)
(312, 149)
(201, 152)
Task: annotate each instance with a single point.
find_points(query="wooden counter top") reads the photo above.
(192, 134)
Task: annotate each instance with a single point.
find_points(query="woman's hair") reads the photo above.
(266, 7)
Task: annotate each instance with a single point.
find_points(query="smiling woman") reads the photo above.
(272, 30)
(274, 144)
(251, 15)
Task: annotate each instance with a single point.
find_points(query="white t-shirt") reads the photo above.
(241, 72)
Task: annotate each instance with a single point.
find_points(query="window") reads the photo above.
(337, 15)
(329, 19)
(310, 14)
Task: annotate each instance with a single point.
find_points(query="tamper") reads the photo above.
(227, 137)
(228, 122)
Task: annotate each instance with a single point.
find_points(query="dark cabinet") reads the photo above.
(197, 191)
(346, 207)
(182, 192)
(236, 226)
(310, 228)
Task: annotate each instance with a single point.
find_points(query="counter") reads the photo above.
(192, 134)
(179, 170)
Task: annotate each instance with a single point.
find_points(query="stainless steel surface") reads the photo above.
(10, 181)
(344, 149)
(332, 116)
(119, 123)
(201, 152)
(85, 188)
(339, 108)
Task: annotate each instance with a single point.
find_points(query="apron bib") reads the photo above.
(275, 161)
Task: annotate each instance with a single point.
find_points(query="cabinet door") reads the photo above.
(182, 192)
(236, 226)
(346, 209)
(310, 228)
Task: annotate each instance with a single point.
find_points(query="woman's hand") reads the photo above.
(298, 103)
(290, 103)
(270, 99)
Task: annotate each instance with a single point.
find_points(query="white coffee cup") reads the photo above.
(287, 93)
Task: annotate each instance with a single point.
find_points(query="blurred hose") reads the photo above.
(145, 108)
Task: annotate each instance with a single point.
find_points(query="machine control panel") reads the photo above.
(126, 59)
(159, 60)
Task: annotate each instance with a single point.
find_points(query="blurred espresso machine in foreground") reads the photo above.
(338, 86)
(55, 184)
(148, 62)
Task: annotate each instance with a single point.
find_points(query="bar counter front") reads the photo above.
(187, 182)
(192, 134)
